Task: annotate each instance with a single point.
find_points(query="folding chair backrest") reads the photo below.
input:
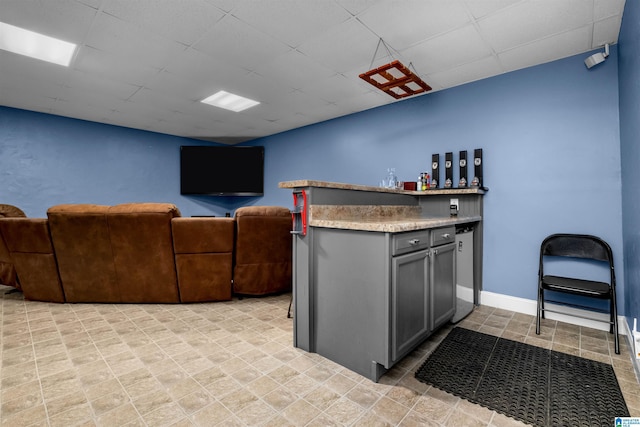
(577, 246)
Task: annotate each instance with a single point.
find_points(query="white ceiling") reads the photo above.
(146, 64)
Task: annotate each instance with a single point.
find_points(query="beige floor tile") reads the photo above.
(233, 364)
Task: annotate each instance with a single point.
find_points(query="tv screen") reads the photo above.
(222, 171)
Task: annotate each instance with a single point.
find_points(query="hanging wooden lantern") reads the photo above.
(396, 80)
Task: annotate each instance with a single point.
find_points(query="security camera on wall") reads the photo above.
(597, 58)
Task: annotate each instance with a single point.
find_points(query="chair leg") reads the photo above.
(539, 310)
(614, 315)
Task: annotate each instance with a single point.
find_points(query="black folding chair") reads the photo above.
(585, 247)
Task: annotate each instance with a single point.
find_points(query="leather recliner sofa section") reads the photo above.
(31, 251)
(263, 250)
(148, 253)
(8, 275)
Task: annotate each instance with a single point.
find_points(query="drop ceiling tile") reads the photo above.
(182, 21)
(123, 39)
(469, 72)
(304, 19)
(446, 51)
(356, 7)
(23, 68)
(480, 9)
(546, 50)
(98, 86)
(347, 46)
(293, 69)
(239, 44)
(606, 31)
(532, 20)
(179, 87)
(202, 69)
(335, 88)
(109, 66)
(607, 8)
(403, 23)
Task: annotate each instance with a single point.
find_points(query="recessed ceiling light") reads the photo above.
(230, 101)
(36, 45)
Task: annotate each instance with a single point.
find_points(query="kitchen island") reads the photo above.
(374, 268)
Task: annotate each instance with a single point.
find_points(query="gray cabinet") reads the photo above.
(442, 285)
(410, 322)
(377, 296)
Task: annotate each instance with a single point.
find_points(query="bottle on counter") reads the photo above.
(391, 179)
(419, 182)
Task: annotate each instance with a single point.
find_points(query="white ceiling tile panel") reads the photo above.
(182, 21)
(403, 23)
(293, 69)
(532, 20)
(605, 31)
(480, 9)
(125, 40)
(203, 69)
(334, 88)
(109, 66)
(448, 50)
(239, 44)
(472, 71)
(355, 7)
(134, 67)
(345, 47)
(98, 86)
(607, 8)
(291, 21)
(546, 50)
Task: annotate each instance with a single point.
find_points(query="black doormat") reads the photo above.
(534, 385)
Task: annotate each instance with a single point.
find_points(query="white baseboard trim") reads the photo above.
(527, 306)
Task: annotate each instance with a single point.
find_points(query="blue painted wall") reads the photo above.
(629, 63)
(47, 160)
(550, 138)
(550, 141)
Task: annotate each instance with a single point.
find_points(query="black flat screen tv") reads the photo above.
(222, 170)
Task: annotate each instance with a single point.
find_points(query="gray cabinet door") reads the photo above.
(409, 302)
(443, 284)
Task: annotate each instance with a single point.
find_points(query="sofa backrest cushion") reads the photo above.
(80, 235)
(143, 255)
(263, 250)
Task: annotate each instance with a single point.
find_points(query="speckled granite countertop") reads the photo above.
(386, 219)
(338, 185)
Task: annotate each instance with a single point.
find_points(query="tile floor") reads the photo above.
(231, 364)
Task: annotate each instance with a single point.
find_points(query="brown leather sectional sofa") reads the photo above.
(148, 253)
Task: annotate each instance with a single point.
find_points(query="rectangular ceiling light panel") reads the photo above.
(230, 101)
(35, 45)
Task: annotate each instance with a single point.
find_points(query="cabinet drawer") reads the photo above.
(441, 236)
(410, 241)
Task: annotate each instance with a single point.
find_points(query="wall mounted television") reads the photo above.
(221, 170)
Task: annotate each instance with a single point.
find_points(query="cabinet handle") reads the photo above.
(414, 241)
(446, 235)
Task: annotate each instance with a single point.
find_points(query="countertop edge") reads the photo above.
(385, 225)
(358, 187)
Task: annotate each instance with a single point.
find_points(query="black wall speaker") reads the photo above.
(477, 164)
(463, 169)
(435, 170)
(448, 170)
